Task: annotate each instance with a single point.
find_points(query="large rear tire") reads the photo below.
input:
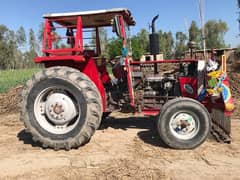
(61, 107)
(183, 123)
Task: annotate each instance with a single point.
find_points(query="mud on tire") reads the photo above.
(77, 94)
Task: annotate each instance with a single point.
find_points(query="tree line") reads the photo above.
(174, 46)
(18, 48)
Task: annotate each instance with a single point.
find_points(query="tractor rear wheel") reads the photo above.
(61, 107)
(183, 123)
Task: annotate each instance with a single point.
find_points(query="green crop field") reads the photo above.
(12, 78)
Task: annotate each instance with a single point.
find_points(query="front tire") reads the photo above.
(61, 107)
(183, 123)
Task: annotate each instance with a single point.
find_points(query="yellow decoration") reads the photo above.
(219, 90)
(229, 107)
(214, 74)
(210, 91)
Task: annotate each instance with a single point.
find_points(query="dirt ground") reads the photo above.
(125, 148)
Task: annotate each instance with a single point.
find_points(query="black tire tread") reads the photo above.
(91, 94)
(166, 107)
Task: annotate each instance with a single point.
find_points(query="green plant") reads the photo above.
(12, 78)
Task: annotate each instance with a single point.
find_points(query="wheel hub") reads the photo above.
(60, 109)
(184, 125)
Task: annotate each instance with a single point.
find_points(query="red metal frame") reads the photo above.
(151, 112)
(163, 61)
(127, 62)
(79, 37)
(47, 47)
(59, 58)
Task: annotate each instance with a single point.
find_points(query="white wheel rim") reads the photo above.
(55, 111)
(184, 125)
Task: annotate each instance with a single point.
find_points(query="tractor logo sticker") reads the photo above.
(188, 88)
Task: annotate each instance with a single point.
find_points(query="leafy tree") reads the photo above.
(5, 55)
(33, 48)
(114, 47)
(32, 40)
(166, 43)
(7, 48)
(143, 40)
(169, 44)
(137, 49)
(215, 31)
(180, 44)
(21, 37)
(162, 42)
(40, 32)
(12, 45)
(3, 32)
(194, 34)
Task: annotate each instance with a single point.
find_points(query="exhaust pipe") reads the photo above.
(153, 23)
(154, 43)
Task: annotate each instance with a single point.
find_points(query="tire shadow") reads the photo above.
(151, 137)
(148, 135)
(26, 138)
(126, 123)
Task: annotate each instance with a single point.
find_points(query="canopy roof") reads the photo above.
(90, 19)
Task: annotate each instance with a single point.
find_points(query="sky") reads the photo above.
(174, 15)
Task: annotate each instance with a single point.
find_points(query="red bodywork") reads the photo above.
(189, 81)
(72, 57)
(76, 56)
(84, 60)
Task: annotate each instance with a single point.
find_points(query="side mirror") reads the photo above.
(117, 26)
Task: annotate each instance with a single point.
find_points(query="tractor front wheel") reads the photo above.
(61, 108)
(183, 123)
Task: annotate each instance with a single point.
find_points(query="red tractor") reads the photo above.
(63, 105)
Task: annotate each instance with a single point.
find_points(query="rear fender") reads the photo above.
(87, 67)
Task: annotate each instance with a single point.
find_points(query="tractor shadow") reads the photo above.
(26, 138)
(147, 125)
